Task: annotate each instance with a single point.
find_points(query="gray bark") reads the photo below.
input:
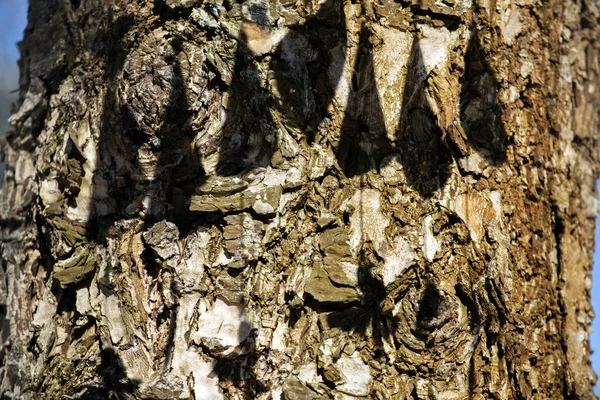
(294, 200)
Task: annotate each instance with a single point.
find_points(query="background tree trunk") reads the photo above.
(297, 200)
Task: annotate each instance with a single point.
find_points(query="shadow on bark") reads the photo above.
(480, 114)
(249, 134)
(177, 165)
(425, 157)
(426, 153)
(306, 90)
(249, 137)
(115, 383)
(113, 49)
(367, 316)
(363, 143)
(239, 373)
(307, 70)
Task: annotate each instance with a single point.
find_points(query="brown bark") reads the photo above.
(296, 200)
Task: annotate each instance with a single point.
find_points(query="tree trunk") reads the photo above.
(301, 200)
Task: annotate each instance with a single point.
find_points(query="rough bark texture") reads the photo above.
(301, 200)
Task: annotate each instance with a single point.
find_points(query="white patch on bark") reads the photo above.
(526, 69)
(474, 163)
(327, 351)
(276, 393)
(308, 374)
(46, 309)
(472, 218)
(206, 387)
(512, 94)
(189, 273)
(24, 168)
(590, 201)
(82, 302)
(400, 258)
(351, 271)
(343, 89)
(278, 341)
(356, 373)
(367, 222)
(84, 141)
(434, 46)
(511, 25)
(186, 361)
(185, 314)
(499, 270)
(111, 310)
(50, 192)
(390, 60)
(430, 243)
(262, 207)
(392, 170)
(496, 199)
(224, 326)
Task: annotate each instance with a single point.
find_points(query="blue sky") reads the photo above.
(596, 303)
(13, 18)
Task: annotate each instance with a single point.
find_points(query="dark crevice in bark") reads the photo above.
(466, 297)
(559, 230)
(167, 13)
(450, 21)
(66, 296)
(32, 345)
(430, 309)
(324, 307)
(216, 83)
(44, 243)
(496, 300)
(195, 220)
(78, 331)
(75, 4)
(357, 318)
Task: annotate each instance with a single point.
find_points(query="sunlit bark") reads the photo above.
(301, 200)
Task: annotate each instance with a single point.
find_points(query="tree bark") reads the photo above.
(326, 199)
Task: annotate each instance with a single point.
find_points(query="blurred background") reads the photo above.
(13, 18)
